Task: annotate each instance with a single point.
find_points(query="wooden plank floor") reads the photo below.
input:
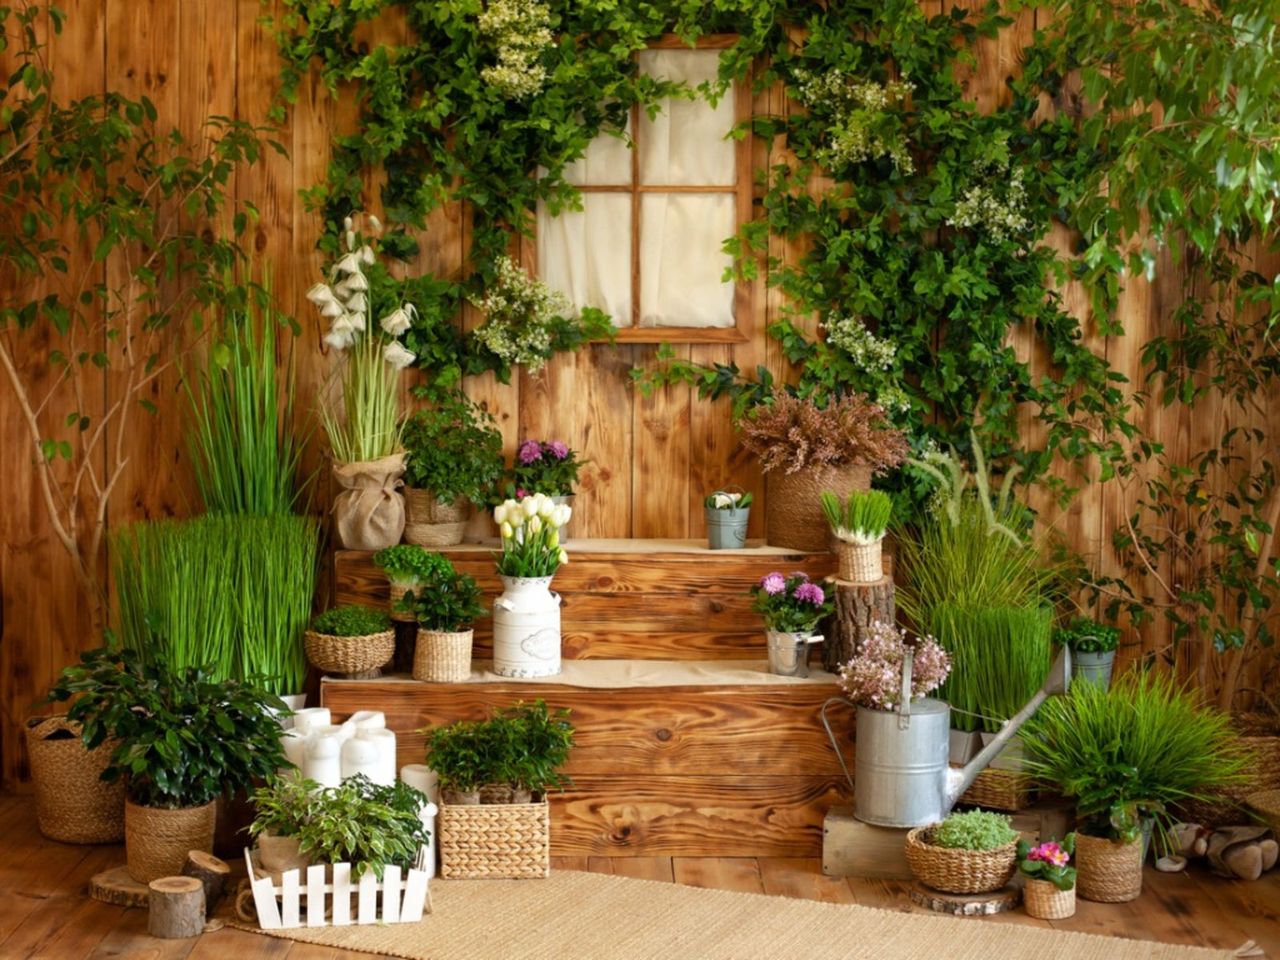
(44, 911)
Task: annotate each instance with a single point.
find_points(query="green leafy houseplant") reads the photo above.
(407, 563)
(351, 621)
(461, 755)
(547, 467)
(1049, 861)
(184, 738)
(454, 450)
(449, 602)
(284, 804)
(973, 830)
(1084, 635)
(1138, 748)
(864, 518)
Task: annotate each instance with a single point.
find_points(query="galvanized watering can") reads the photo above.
(901, 774)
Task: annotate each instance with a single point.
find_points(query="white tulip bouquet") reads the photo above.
(530, 529)
(368, 425)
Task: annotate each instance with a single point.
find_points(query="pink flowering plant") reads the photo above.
(793, 604)
(1049, 861)
(544, 466)
(873, 677)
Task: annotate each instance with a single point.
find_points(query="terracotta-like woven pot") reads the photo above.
(156, 841)
(1108, 872)
(430, 522)
(793, 516)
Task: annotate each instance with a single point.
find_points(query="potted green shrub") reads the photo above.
(1049, 892)
(533, 744)
(281, 806)
(462, 756)
(859, 525)
(548, 467)
(1137, 749)
(445, 606)
(351, 641)
(1093, 650)
(408, 566)
(454, 461)
(727, 512)
(973, 852)
(183, 741)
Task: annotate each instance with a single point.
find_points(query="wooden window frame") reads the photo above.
(743, 307)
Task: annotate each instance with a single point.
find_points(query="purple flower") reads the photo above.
(810, 593)
(799, 575)
(558, 449)
(773, 584)
(529, 452)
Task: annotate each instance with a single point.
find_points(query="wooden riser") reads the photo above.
(721, 770)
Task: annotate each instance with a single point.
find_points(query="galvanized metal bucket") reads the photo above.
(1093, 668)
(789, 652)
(727, 529)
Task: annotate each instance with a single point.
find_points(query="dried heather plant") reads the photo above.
(791, 433)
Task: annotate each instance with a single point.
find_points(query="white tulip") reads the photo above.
(564, 555)
(512, 507)
(507, 531)
(500, 514)
(535, 524)
(337, 340)
(396, 355)
(529, 506)
(357, 282)
(348, 264)
(396, 322)
(332, 309)
(560, 516)
(320, 294)
(546, 508)
(357, 303)
(723, 500)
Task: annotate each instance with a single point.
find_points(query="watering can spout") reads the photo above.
(1058, 680)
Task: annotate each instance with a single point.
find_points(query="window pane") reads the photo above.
(686, 143)
(607, 162)
(681, 263)
(587, 254)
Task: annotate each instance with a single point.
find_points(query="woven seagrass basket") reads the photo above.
(73, 803)
(959, 871)
(156, 841)
(430, 523)
(349, 656)
(859, 562)
(443, 657)
(1108, 872)
(493, 841)
(1008, 790)
(1045, 901)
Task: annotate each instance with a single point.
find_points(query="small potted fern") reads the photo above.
(407, 568)
(445, 606)
(727, 514)
(859, 525)
(351, 641)
(972, 852)
(1093, 650)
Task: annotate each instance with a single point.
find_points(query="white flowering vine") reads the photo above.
(996, 204)
(521, 31)
(520, 317)
(864, 123)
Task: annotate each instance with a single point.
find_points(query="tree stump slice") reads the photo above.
(117, 887)
(212, 874)
(966, 904)
(177, 908)
(858, 605)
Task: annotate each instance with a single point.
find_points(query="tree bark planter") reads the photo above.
(353, 657)
(73, 803)
(495, 841)
(430, 522)
(442, 656)
(157, 841)
(793, 506)
(1108, 872)
(369, 512)
(1045, 901)
(858, 605)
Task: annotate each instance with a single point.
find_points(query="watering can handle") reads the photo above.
(904, 704)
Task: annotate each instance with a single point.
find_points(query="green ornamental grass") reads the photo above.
(864, 518)
(367, 427)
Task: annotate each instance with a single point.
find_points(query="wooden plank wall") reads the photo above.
(651, 459)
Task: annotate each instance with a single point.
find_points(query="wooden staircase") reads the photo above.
(685, 745)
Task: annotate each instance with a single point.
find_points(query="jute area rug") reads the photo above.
(585, 916)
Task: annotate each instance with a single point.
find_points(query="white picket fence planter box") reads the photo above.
(282, 907)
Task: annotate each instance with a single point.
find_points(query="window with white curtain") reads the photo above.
(646, 247)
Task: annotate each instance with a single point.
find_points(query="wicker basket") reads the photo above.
(860, 562)
(396, 591)
(1260, 738)
(495, 841)
(1266, 805)
(156, 841)
(443, 657)
(350, 656)
(959, 871)
(430, 523)
(1045, 901)
(793, 514)
(1108, 872)
(1008, 790)
(73, 803)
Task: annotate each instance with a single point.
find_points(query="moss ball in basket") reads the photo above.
(352, 641)
(974, 852)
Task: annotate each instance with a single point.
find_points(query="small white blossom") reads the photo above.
(348, 264)
(357, 282)
(396, 322)
(321, 294)
(997, 206)
(396, 354)
(337, 339)
(357, 303)
(332, 309)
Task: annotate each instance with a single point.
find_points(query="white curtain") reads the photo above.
(587, 254)
(685, 143)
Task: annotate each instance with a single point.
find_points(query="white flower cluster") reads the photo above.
(519, 313)
(870, 353)
(345, 300)
(521, 30)
(858, 132)
(998, 206)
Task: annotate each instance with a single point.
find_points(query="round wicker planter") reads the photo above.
(1108, 872)
(1045, 901)
(959, 871)
(156, 841)
(432, 523)
(397, 591)
(859, 562)
(349, 656)
(443, 657)
(73, 803)
(793, 516)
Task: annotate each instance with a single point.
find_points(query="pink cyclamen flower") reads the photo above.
(773, 584)
(558, 449)
(810, 593)
(521, 493)
(529, 451)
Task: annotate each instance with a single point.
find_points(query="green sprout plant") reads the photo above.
(862, 519)
(973, 830)
(406, 563)
(353, 620)
(1084, 635)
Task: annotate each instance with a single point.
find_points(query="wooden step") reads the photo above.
(627, 599)
(699, 769)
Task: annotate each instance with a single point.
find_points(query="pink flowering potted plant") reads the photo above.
(1050, 890)
(792, 608)
(547, 467)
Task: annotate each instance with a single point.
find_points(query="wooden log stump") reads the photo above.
(858, 605)
(177, 908)
(212, 874)
(966, 904)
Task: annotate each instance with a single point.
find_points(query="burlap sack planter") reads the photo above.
(430, 522)
(793, 516)
(156, 840)
(495, 841)
(73, 803)
(443, 657)
(369, 511)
